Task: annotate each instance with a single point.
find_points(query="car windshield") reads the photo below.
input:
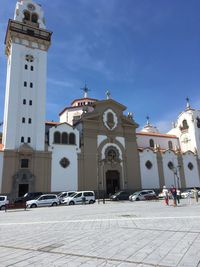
(117, 193)
(73, 195)
(136, 193)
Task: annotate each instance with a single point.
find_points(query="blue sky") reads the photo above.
(146, 52)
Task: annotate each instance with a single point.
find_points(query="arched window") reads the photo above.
(22, 139)
(64, 138)
(170, 145)
(34, 18)
(72, 139)
(27, 15)
(57, 138)
(151, 143)
(185, 125)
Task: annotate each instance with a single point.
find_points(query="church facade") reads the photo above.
(94, 145)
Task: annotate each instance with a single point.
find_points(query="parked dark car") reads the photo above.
(121, 195)
(28, 196)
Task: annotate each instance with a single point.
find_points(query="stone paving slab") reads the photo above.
(140, 234)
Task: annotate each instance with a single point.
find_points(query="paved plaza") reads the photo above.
(142, 234)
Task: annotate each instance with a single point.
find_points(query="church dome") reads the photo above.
(148, 128)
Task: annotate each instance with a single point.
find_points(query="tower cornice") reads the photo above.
(20, 31)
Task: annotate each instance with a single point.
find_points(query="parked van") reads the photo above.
(81, 197)
(64, 195)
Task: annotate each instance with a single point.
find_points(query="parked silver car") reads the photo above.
(43, 200)
(143, 195)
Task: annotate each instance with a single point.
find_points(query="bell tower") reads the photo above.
(27, 42)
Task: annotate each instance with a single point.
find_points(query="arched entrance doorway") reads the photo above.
(112, 181)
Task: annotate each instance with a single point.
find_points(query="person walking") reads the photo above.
(166, 195)
(178, 191)
(195, 193)
(174, 195)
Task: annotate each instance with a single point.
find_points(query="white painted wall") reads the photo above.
(191, 176)
(169, 177)
(149, 177)
(143, 141)
(68, 114)
(1, 170)
(193, 132)
(64, 179)
(13, 128)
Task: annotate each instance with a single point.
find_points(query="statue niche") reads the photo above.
(110, 120)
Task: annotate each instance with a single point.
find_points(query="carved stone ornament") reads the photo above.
(29, 58)
(110, 119)
(31, 7)
(64, 162)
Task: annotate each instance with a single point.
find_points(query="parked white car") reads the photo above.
(81, 197)
(43, 200)
(3, 201)
(63, 195)
(189, 193)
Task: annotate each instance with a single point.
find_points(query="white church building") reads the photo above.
(94, 145)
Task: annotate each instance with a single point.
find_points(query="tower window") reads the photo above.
(31, 85)
(29, 120)
(30, 102)
(72, 139)
(34, 18)
(24, 163)
(22, 139)
(151, 143)
(25, 84)
(29, 140)
(24, 101)
(170, 145)
(26, 66)
(32, 68)
(27, 15)
(23, 120)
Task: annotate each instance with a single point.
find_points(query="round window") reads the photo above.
(190, 166)
(64, 162)
(170, 165)
(148, 164)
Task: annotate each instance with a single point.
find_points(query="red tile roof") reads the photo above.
(157, 135)
(1, 146)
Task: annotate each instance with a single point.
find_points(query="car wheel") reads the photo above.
(91, 202)
(2, 207)
(54, 204)
(33, 206)
(137, 199)
(71, 203)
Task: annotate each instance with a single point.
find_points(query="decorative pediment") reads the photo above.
(25, 148)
